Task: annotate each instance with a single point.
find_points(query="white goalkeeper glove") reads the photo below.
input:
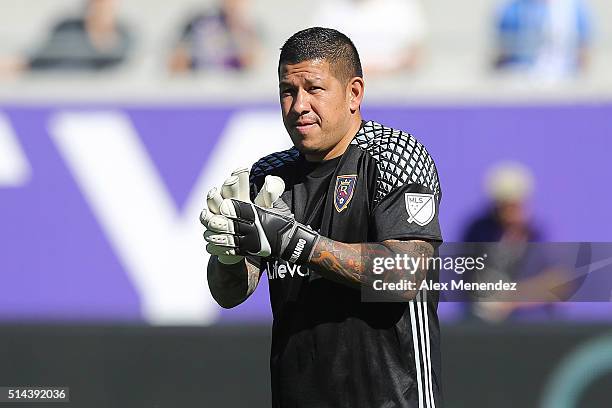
(246, 228)
(237, 187)
(252, 230)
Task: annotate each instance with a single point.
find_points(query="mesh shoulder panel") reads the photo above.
(400, 159)
(271, 162)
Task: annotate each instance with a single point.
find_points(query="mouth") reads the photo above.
(304, 127)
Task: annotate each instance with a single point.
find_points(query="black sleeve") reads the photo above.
(281, 164)
(408, 197)
(408, 212)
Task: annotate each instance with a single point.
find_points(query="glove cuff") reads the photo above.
(301, 244)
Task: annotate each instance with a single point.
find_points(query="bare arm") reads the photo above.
(351, 264)
(231, 285)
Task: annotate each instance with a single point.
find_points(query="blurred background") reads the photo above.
(116, 117)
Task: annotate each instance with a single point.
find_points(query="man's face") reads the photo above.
(315, 105)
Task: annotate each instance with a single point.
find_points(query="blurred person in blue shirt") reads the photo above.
(548, 39)
(224, 38)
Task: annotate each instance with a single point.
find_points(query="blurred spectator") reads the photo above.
(94, 41)
(548, 39)
(224, 38)
(506, 228)
(506, 218)
(387, 33)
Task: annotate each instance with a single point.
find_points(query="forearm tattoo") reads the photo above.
(353, 263)
(253, 275)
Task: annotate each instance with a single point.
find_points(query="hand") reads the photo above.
(248, 229)
(237, 186)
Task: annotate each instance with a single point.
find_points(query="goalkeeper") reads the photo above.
(313, 218)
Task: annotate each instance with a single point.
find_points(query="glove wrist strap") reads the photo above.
(300, 245)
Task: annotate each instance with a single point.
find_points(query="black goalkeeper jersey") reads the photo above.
(330, 349)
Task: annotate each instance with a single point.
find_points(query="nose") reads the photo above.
(301, 103)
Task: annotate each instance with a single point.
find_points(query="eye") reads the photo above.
(314, 89)
(286, 92)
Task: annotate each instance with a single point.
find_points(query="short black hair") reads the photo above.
(323, 43)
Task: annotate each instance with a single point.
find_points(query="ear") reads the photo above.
(355, 93)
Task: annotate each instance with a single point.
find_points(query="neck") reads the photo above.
(341, 146)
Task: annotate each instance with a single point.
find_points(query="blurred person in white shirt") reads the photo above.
(388, 33)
